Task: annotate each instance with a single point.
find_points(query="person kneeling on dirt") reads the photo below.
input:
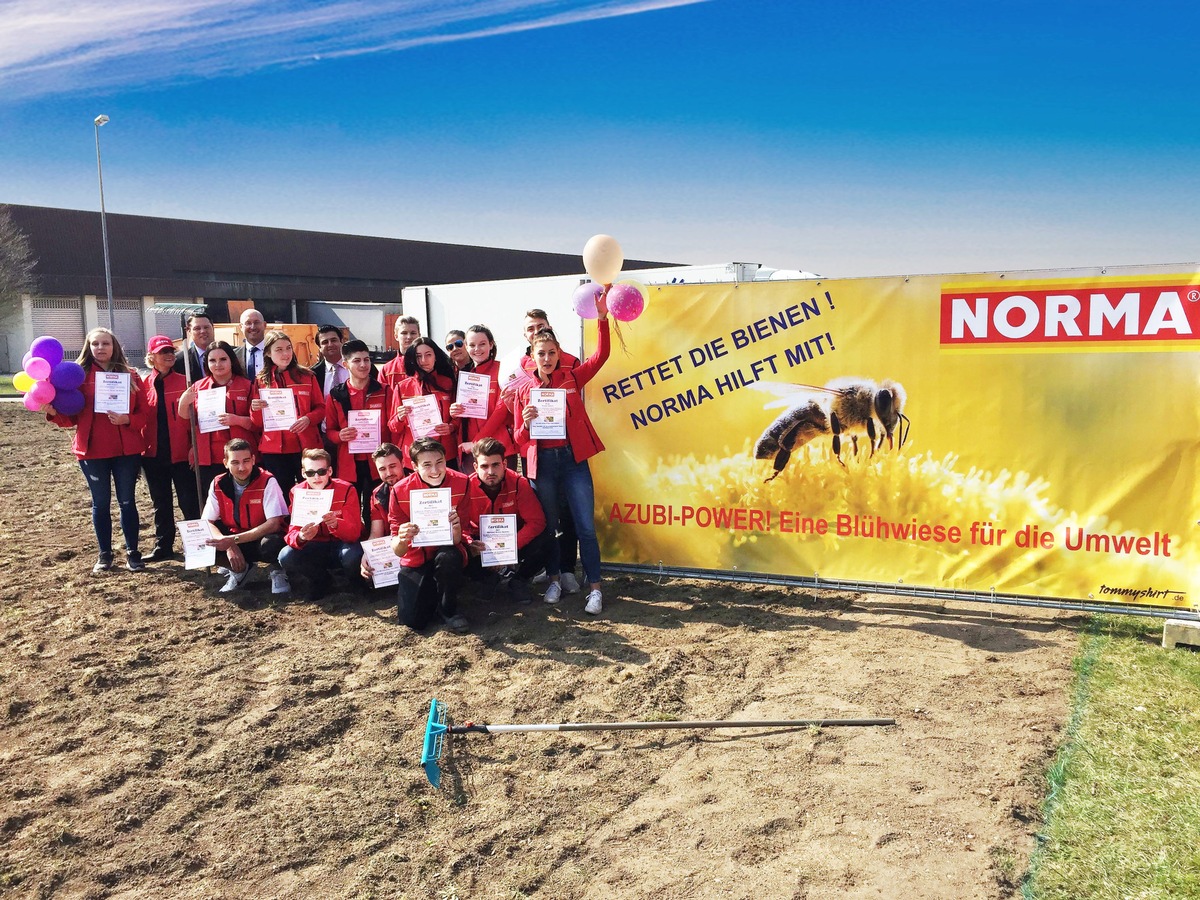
(247, 506)
(388, 460)
(494, 489)
(430, 576)
(316, 547)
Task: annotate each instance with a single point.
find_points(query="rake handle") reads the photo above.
(472, 728)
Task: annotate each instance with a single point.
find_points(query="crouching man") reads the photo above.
(430, 576)
(388, 460)
(247, 506)
(316, 547)
(494, 489)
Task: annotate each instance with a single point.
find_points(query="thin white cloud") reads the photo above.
(55, 48)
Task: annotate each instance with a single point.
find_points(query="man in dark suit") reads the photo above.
(200, 336)
(330, 370)
(250, 354)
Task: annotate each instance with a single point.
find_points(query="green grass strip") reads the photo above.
(1122, 811)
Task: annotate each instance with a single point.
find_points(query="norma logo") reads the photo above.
(1063, 314)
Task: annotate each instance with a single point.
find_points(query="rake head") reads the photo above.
(435, 742)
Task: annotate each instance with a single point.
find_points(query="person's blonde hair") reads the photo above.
(118, 363)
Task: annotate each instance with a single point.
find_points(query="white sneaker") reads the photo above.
(553, 593)
(279, 582)
(540, 578)
(570, 584)
(222, 571)
(236, 580)
(594, 605)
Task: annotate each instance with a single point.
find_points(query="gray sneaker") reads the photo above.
(279, 582)
(236, 580)
(457, 623)
(570, 584)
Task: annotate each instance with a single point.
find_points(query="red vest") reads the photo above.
(516, 497)
(398, 512)
(247, 513)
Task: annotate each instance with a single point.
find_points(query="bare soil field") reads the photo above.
(158, 739)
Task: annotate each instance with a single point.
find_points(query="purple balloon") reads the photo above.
(42, 392)
(31, 404)
(67, 375)
(585, 297)
(625, 302)
(68, 402)
(47, 348)
(38, 369)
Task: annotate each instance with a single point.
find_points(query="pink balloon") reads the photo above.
(38, 369)
(31, 404)
(26, 358)
(584, 299)
(625, 302)
(42, 392)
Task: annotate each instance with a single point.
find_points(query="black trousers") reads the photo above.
(160, 477)
(531, 559)
(285, 467)
(431, 589)
(265, 549)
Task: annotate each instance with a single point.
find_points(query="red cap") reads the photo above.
(159, 342)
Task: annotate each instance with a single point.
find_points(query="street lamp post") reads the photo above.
(112, 314)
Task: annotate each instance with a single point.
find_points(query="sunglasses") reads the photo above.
(315, 473)
(454, 345)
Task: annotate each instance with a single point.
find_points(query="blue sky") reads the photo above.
(852, 138)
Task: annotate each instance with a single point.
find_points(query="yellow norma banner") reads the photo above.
(1037, 438)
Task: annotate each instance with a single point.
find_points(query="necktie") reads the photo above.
(252, 364)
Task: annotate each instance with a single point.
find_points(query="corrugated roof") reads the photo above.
(180, 257)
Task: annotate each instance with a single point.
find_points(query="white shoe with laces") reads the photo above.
(279, 582)
(594, 605)
(553, 593)
(570, 584)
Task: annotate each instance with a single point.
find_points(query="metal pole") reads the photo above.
(112, 314)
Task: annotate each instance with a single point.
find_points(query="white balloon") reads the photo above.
(602, 258)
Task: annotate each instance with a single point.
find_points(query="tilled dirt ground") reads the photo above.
(160, 740)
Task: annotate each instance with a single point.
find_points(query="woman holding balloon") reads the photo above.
(108, 443)
(558, 467)
(168, 445)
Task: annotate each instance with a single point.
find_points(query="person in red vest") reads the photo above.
(494, 489)
(108, 445)
(558, 467)
(165, 462)
(407, 329)
(314, 548)
(280, 450)
(481, 353)
(430, 576)
(247, 506)
(222, 369)
(430, 374)
(389, 463)
(362, 392)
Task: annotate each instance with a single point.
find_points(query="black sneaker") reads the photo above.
(103, 563)
(133, 561)
(520, 591)
(160, 554)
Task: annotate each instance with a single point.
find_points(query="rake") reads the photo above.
(436, 730)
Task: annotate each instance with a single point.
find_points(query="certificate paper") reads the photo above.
(197, 554)
(367, 421)
(280, 411)
(498, 534)
(472, 393)
(385, 564)
(551, 421)
(308, 506)
(112, 393)
(423, 415)
(210, 405)
(429, 510)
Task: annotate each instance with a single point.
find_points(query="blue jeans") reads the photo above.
(316, 558)
(560, 476)
(101, 474)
